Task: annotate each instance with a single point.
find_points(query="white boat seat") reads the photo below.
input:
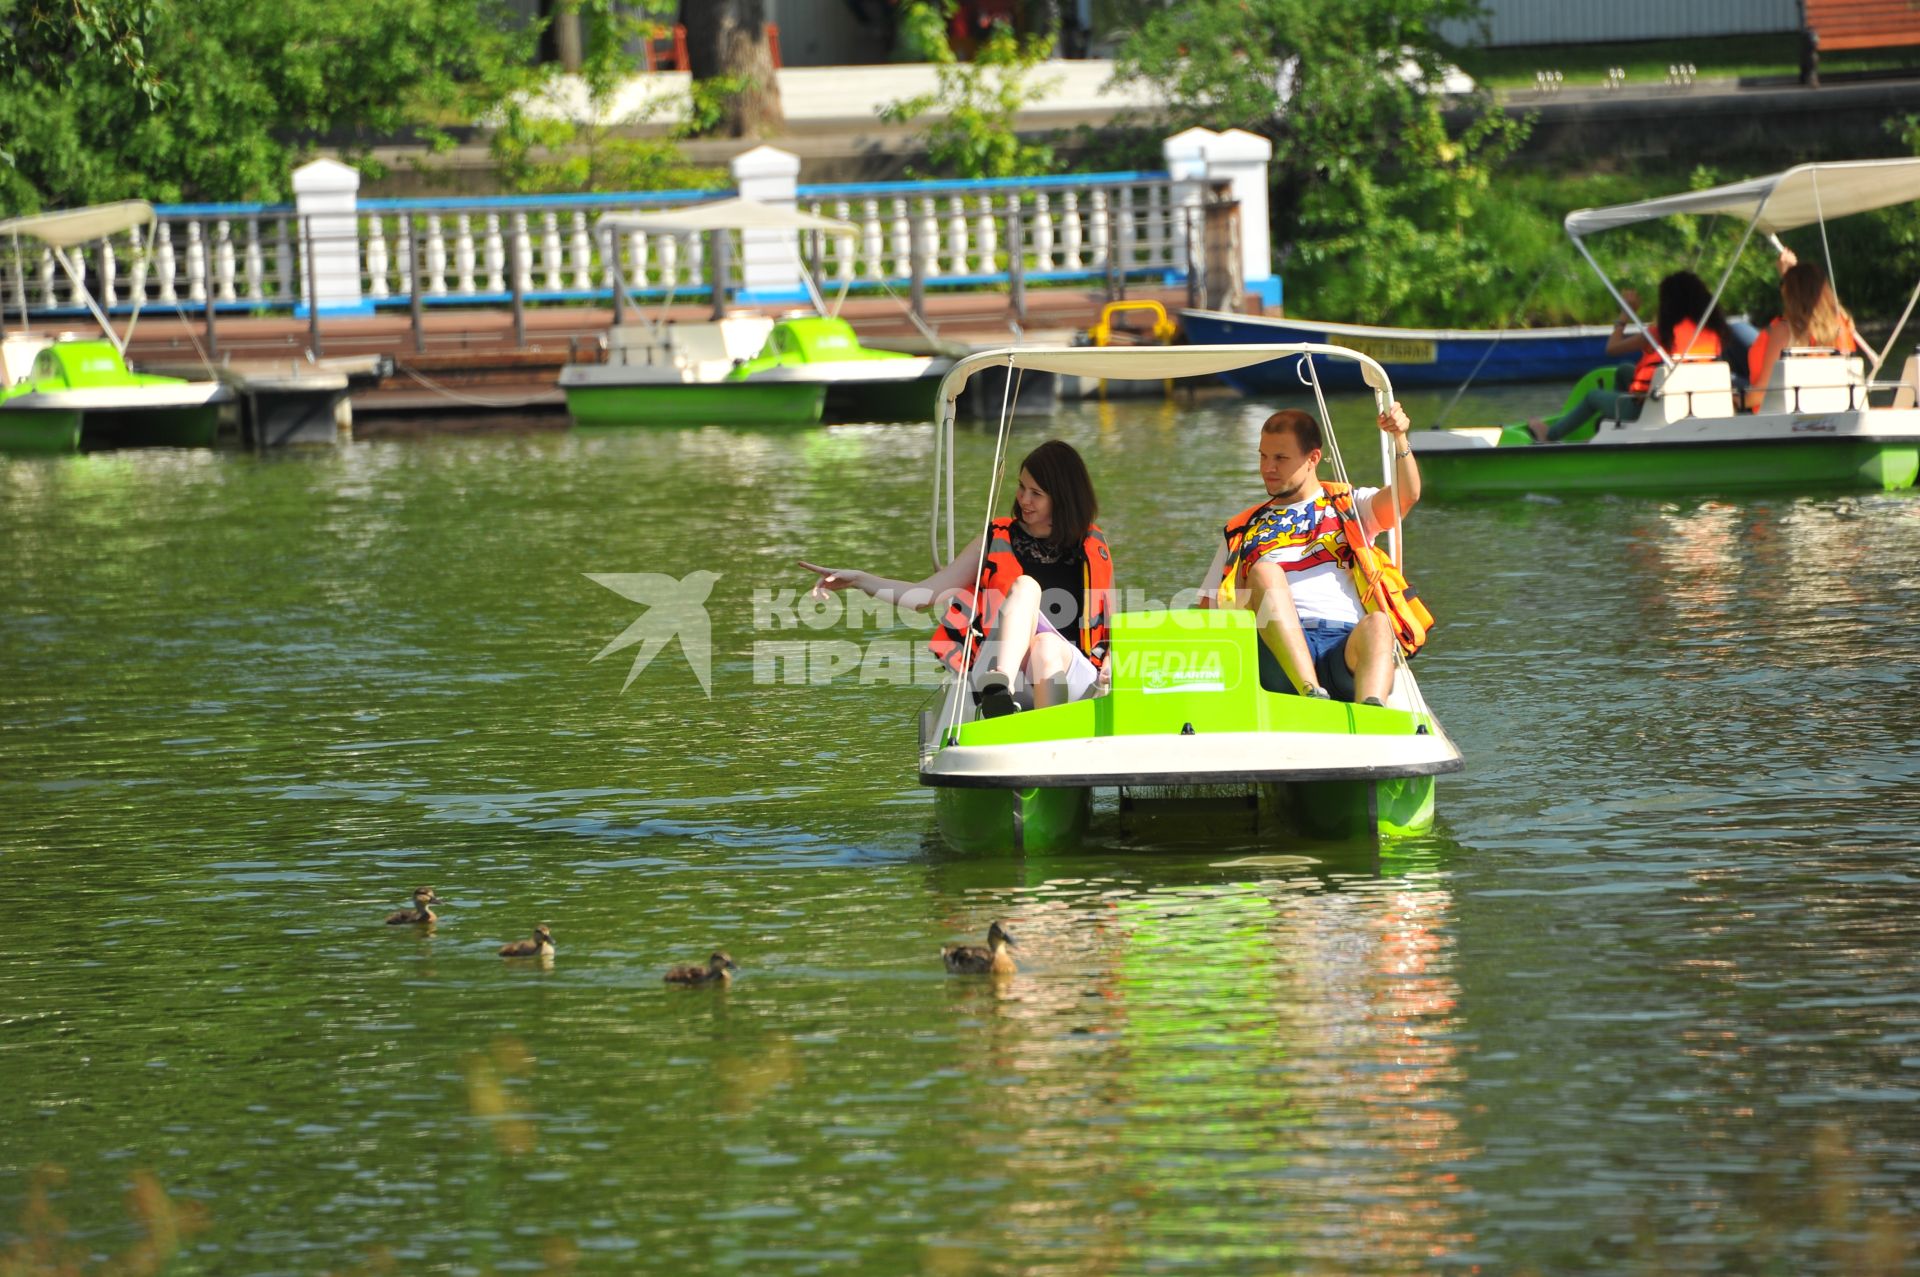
(637, 344)
(1694, 388)
(17, 353)
(1816, 381)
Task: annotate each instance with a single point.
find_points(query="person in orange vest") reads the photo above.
(1288, 558)
(1810, 316)
(1038, 636)
(1684, 301)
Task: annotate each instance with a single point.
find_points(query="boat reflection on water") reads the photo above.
(1228, 1062)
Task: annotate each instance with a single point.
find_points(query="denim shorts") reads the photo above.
(1327, 644)
(1327, 640)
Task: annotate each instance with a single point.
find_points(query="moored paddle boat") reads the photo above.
(1825, 420)
(1187, 718)
(741, 368)
(69, 392)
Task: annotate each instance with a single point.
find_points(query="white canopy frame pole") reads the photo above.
(100, 316)
(20, 277)
(1726, 276)
(1893, 342)
(964, 678)
(1382, 400)
(1826, 251)
(1606, 282)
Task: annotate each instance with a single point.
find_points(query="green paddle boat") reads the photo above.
(1188, 719)
(1825, 421)
(62, 394)
(742, 368)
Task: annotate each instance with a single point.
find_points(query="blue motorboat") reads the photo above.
(1411, 356)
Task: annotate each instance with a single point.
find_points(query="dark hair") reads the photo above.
(1059, 472)
(1684, 297)
(1301, 425)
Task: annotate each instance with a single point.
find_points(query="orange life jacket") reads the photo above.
(1376, 577)
(1689, 341)
(997, 575)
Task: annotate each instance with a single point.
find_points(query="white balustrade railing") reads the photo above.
(484, 251)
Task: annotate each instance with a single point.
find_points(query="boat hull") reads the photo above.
(189, 427)
(1857, 461)
(1411, 356)
(986, 821)
(732, 403)
(39, 433)
(909, 399)
(1191, 731)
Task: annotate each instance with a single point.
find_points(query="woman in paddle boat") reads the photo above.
(1810, 316)
(1684, 300)
(1045, 583)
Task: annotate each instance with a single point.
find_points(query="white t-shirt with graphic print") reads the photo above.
(1304, 539)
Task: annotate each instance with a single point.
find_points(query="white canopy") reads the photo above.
(1800, 196)
(736, 214)
(73, 226)
(1122, 363)
(1147, 363)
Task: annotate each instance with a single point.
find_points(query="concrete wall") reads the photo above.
(1520, 22)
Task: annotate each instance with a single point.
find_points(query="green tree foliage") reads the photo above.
(1381, 212)
(975, 105)
(220, 99)
(537, 152)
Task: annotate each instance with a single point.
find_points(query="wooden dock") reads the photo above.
(474, 369)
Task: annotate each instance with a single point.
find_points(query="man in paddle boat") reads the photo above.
(1045, 584)
(1290, 560)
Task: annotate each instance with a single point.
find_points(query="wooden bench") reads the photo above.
(1855, 24)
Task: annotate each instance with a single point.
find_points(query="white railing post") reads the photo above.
(463, 254)
(137, 291)
(769, 260)
(326, 195)
(377, 256)
(196, 263)
(582, 253)
(223, 260)
(496, 254)
(256, 262)
(436, 256)
(109, 274)
(163, 261)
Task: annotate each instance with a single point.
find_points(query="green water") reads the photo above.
(1645, 1002)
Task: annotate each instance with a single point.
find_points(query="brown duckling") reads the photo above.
(541, 946)
(991, 958)
(422, 911)
(719, 967)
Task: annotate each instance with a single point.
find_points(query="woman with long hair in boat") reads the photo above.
(1684, 329)
(1810, 316)
(1045, 580)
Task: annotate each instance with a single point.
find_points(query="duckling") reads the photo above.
(422, 911)
(719, 967)
(541, 946)
(991, 958)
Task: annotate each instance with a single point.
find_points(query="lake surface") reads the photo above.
(1645, 1001)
